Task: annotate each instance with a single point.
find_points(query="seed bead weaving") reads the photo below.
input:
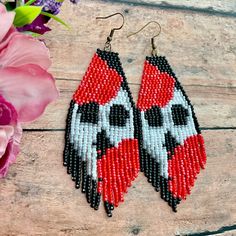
(171, 145)
(101, 151)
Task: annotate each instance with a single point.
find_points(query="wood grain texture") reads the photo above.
(200, 48)
(208, 101)
(38, 197)
(207, 6)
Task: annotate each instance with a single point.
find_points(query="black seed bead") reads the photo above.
(142, 159)
(99, 146)
(107, 208)
(67, 133)
(88, 188)
(98, 200)
(79, 170)
(158, 177)
(89, 113)
(170, 143)
(154, 173)
(162, 188)
(74, 165)
(94, 192)
(111, 207)
(179, 114)
(174, 205)
(66, 153)
(84, 174)
(154, 117)
(170, 200)
(150, 172)
(146, 165)
(118, 115)
(70, 158)
(166, 186)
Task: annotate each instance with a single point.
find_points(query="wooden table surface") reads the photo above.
(199, 39)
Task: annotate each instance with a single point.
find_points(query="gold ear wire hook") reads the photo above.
(109, 38)
(154, 52)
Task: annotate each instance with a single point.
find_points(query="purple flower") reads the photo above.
(51, 6)
(37, 26)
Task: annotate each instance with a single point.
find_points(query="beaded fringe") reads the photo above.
(171, 145)
(108, 139)
(101, 151)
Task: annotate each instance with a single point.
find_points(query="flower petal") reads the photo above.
(10, 34)
(2, 8)
(29, 88)
(4, 161)
(6, 20)
(23, 49)
(11, 150)
(16, 142)
(6, 132)
(8, 114)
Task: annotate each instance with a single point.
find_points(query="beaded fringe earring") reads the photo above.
(171, 145)
(101, 148)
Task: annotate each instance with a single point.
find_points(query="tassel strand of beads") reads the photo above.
(184, 161)
(116, 166)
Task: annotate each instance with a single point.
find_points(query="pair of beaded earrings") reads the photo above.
(109, 139)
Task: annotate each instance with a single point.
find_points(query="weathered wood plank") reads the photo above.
(207, 6)
(38, 198)
(200, 48)
(215, 106)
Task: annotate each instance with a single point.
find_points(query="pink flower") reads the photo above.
(26, 88)
(10, 135)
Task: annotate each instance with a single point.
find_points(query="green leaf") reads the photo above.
(29, 2)
(26, 15)
(59, 0)
(31, 33)
(55, 18)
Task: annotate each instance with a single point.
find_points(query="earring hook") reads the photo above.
(109, 38)
(154, 51)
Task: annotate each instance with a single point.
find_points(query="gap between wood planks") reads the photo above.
(202, 128)
(60, 130)
(221, 230)
(166, 6)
